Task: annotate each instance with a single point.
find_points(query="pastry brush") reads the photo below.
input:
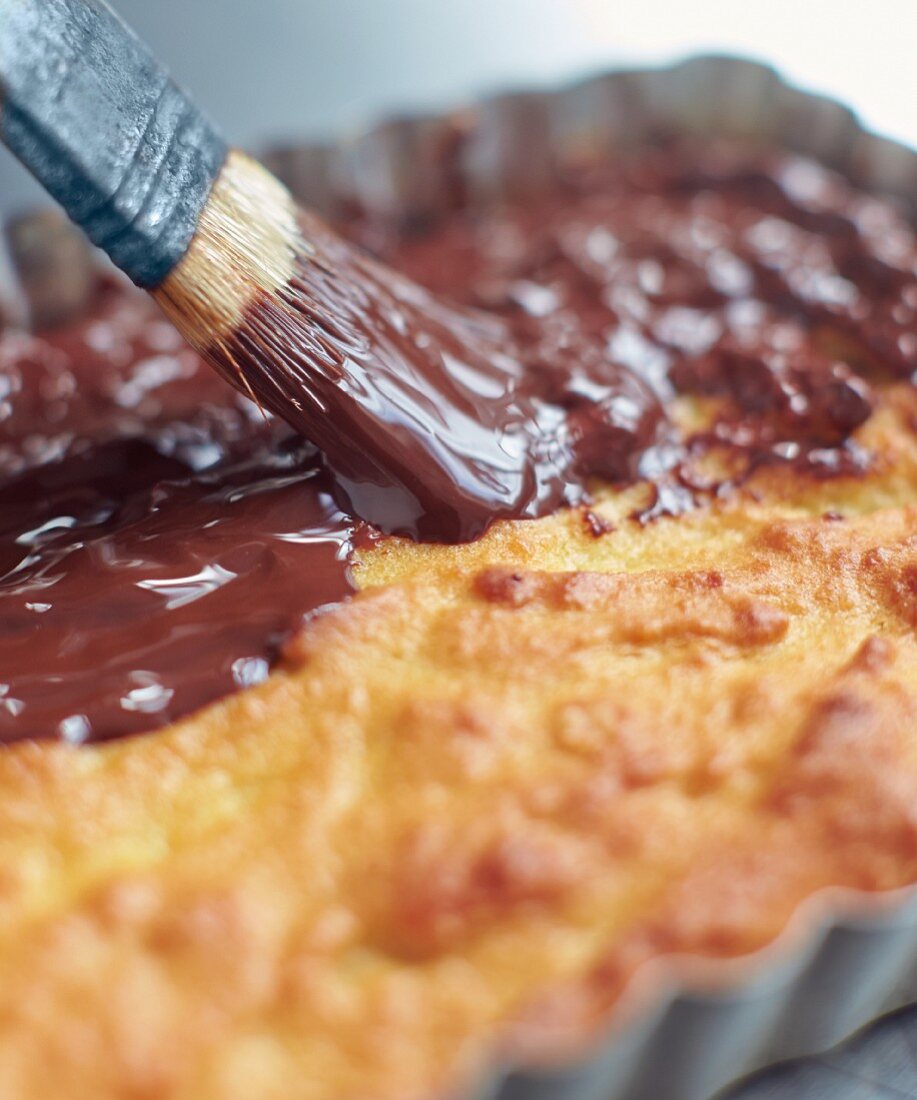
(353, 355)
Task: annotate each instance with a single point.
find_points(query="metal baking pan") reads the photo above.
(685, 1028)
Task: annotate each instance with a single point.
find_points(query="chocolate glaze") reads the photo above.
(436, 420)
(123, 607)
(692, 274)
(159, 538)
(764, 283)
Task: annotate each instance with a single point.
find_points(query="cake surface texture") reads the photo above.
(474, 797)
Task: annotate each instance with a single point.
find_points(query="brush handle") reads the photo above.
(92, 114)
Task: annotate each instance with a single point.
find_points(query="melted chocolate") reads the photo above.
(766, 283)
(434, 419)
(160, 538)
(122, 608)
(178, 539)
(695, 274)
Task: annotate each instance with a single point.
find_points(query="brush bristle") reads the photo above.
(244, 249)
(407, 398)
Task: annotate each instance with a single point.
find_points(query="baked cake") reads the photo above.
(393, 808)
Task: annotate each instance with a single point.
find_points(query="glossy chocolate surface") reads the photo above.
(435, 419)
(560, 331)
(159, 538)
(762, 282)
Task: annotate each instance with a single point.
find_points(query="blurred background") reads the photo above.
(280, 69)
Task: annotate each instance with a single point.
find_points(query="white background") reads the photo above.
(296, 68)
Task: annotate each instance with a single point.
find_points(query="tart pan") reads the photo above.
(686, 1027)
